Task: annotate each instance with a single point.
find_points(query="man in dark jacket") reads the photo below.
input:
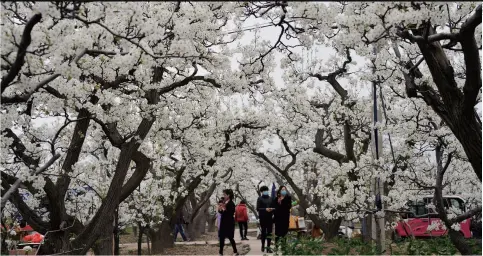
(265, 213)
(178, 227)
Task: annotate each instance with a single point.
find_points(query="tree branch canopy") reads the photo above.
(22, 51)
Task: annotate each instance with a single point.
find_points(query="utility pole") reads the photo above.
(378, 223)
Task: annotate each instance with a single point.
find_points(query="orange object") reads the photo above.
(34, 238)
(293, 224)
(316, 232)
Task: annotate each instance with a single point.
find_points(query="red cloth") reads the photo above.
(241, 213)
(34, 238)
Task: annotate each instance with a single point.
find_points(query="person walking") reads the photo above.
(265, 214)
(282, 205)
(241, 216)
(178, 227)
(227, 222)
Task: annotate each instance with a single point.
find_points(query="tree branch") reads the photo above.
(466, 215)
(143, 163)
(448, 161)
(22, 51)
(27, 213)
(472, 61)
(324, 151)
(19, 149)
(17, 183)
(20, 98)
(287, 148)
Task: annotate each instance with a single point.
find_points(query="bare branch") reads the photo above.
(466, 215)
(322, 150)
(448, 161)
(431, 38)
(24, 97)
(22, 51)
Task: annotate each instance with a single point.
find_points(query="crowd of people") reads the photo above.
(270, 211)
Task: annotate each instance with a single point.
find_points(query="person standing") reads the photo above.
(178, 227)
(227, 222)
(241, 216)
(265, 213)
(282, 205)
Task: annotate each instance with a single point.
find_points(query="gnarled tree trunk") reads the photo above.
(197, 227)
(105, 244)
(161, 237)
(212, 223)
(140, 238)
(331, 228)
(55, 242)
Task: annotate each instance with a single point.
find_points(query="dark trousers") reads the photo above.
(222, 244)
(266, 230)
(243, 226)
(179, 228)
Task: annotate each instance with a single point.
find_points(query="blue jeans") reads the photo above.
(179, 228)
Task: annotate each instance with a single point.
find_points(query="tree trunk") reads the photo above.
(55, 242)
(468, 132)
(331, 228)
(462, 122)
(212, 224)
(458, 241)
(367, 227)
(105, 244)
(201, 227)
(162, 237)
(195, 228)
(204, 218)
(149, 248)
(116, 234)
(140, 238)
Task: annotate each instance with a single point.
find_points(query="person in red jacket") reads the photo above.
(241, 216)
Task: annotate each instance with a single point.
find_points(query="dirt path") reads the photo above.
(255, 245)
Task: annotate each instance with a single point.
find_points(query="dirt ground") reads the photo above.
(192, 250)
(209, 236)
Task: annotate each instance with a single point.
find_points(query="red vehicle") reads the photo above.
(416, 222)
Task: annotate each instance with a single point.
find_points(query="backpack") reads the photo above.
(241, 214)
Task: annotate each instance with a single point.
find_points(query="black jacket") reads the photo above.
(227, 221)
(282, 215)
(264, 202)
(180, 219)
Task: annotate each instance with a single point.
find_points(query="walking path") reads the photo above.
(255, 245)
